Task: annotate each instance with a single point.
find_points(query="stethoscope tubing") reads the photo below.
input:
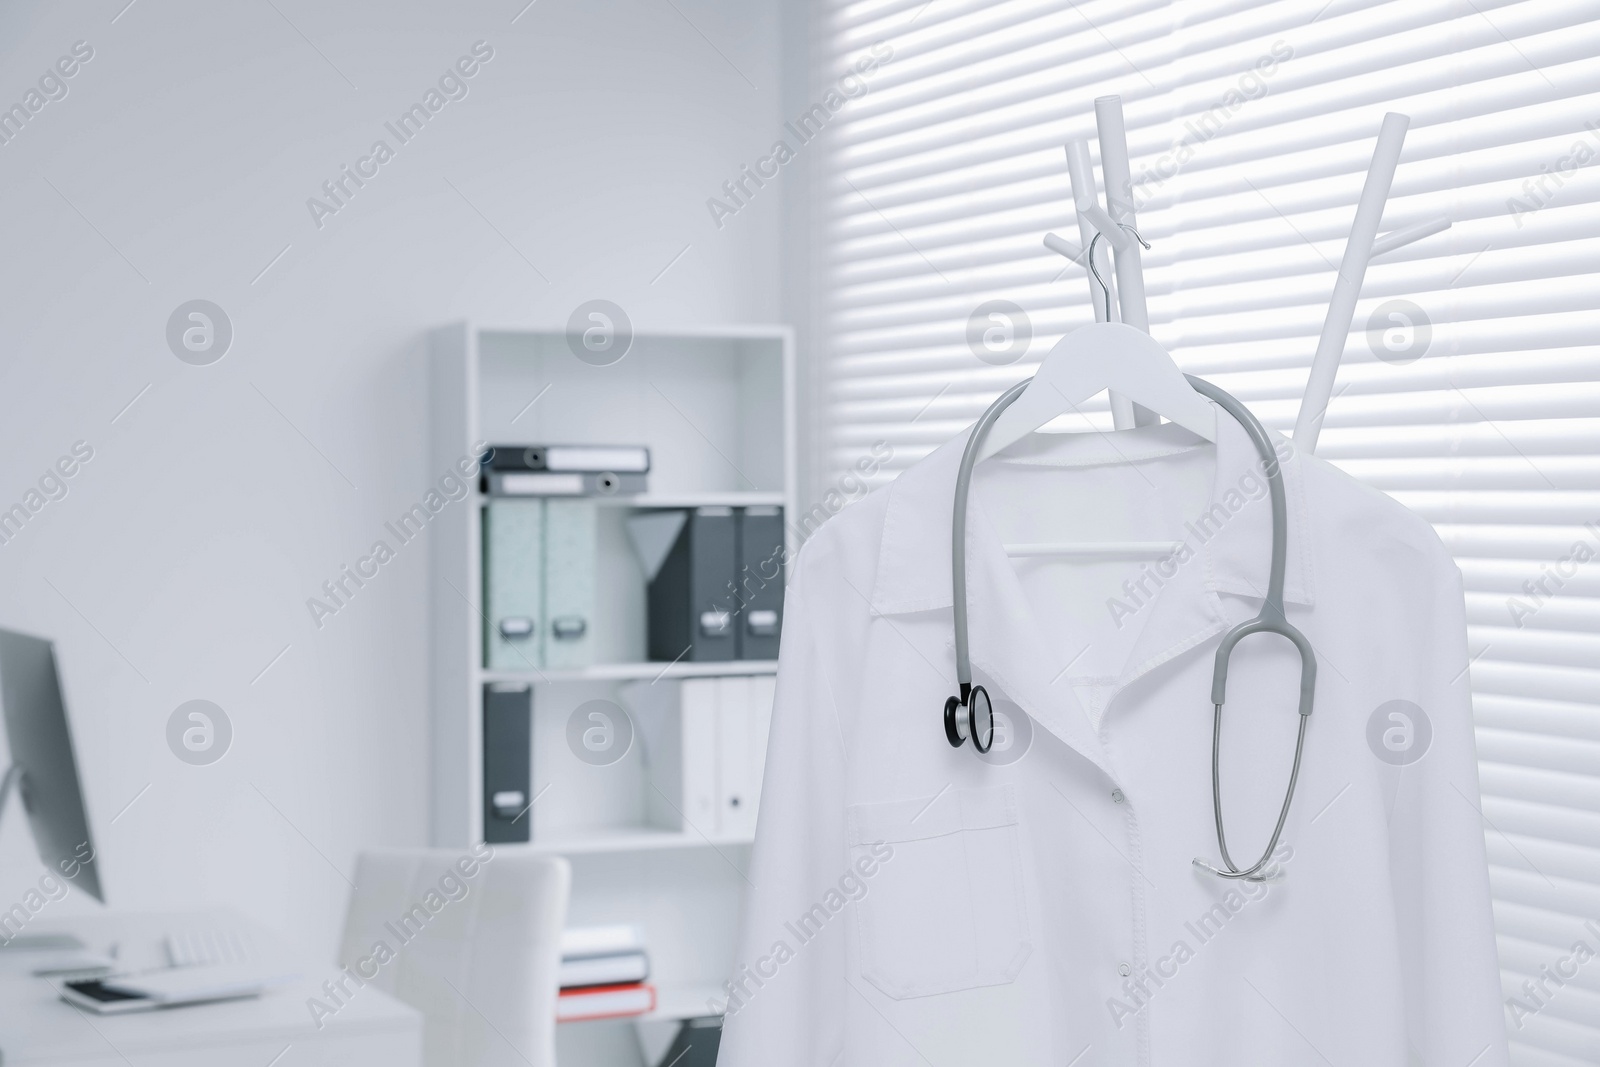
(958, 530)
(1253, 873)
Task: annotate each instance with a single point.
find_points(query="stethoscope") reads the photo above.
(970, 716)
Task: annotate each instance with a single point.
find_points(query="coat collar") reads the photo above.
(1229, 557)
(914, 559)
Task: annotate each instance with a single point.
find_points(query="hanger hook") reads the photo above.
(1104, 288)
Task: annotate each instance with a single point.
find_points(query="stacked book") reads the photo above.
(603, 972)
(566, 470)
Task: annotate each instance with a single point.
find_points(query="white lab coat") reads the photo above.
(912, 904)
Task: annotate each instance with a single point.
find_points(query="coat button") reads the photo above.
(1117, 797)
(1124, 970)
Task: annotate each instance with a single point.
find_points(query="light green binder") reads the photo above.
(569, 566)
(513, 593)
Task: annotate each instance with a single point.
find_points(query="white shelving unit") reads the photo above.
(619, 672)
(715, 407)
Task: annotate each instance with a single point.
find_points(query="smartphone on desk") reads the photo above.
(168, 987)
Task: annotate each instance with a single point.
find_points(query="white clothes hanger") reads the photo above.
(1106, 356)
(1091, 360)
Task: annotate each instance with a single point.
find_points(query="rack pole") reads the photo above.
(1347, 287)
(1086, 196)
(1118, 176)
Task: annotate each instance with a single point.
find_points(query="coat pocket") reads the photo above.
(947, 909)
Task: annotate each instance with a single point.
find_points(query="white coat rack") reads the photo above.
(1115, 223)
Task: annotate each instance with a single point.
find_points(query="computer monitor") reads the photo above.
(42, 763)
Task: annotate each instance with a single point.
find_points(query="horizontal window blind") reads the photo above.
(1470, 385)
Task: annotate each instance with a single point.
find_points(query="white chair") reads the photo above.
(475, 945)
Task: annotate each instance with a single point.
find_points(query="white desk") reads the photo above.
(38, 1029)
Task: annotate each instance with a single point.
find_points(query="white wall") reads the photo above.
(178, 565)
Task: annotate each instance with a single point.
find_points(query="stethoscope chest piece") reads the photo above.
(970, 718)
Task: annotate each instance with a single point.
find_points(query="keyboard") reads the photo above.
(209, 948)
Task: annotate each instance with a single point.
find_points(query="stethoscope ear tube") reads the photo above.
(1262, 624)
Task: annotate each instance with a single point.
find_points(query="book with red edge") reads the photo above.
(605, 1002)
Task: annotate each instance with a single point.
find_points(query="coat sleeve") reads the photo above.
(786, 994)
(1437, 855)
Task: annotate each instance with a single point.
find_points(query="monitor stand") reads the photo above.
(12, 783)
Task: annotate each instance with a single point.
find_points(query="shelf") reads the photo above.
(630, 839)
(557, 332)
(711, 498)
(729, 499)
(685, 1001)
(621, 672)
(697, 500)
